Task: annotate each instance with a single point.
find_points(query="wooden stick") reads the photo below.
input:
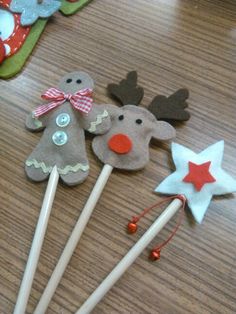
(130, 257)
(73, 240)
(37, 242)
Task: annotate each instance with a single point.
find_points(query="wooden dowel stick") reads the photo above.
(130, 257)
(37, 242)
(73, 240)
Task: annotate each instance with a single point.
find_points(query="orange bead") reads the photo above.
(155, 255)
(132, 227)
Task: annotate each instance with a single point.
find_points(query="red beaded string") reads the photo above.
(132, 225)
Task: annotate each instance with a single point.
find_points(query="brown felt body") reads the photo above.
(70, 157)
(126, 144)
(139, 134)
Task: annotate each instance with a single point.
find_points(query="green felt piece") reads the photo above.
(69, 8)
(11, 66)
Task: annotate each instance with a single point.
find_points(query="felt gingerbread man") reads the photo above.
(64, 120)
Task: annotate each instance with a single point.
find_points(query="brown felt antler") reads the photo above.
(127, 91)
(172, 107)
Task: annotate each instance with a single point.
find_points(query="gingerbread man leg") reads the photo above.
(74, 178)
(36, 174)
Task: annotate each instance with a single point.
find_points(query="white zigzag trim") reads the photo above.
(37, 165)
(75, 168)
(98, 121)
(63, 171)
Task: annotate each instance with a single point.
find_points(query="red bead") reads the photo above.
(132, 227)
(155, 255)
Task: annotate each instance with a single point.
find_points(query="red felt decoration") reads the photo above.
(19, 34)
(2, 51)
(199, 175)
(120, 144)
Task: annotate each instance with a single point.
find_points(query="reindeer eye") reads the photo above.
(139, 121)
(69, 80)
(78, 81)
(121, 117)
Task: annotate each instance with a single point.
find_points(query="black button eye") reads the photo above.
(68, 80)
(78, 81)
(139, 121)
(121, 117)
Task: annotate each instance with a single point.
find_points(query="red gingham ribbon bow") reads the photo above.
(81, 100)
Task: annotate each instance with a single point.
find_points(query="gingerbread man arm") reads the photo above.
(34, 124)
(97, 121)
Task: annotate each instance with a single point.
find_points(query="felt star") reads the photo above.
(198, 177)
(32, 10)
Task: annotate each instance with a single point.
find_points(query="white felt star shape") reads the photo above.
(198, 177)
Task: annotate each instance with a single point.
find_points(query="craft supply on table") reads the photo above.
(124, 146)
(132, 226)
(21, 24)
(131, 256)
(34, 9)
(197, 177)
(60, 152)
(37, 243)
(69, 7)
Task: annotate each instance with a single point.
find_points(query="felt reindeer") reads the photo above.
(125, 145)
(64, 121)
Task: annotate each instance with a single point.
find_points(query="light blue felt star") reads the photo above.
(31, 10)
(198, 195)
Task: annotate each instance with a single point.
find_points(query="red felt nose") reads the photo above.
(2, 51)
(120, 143)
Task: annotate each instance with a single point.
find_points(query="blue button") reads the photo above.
(60, 138)
(63, 120)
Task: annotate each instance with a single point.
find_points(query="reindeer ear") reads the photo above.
(112, 110)
(127, 91)
(163, 131)
(172, 107)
